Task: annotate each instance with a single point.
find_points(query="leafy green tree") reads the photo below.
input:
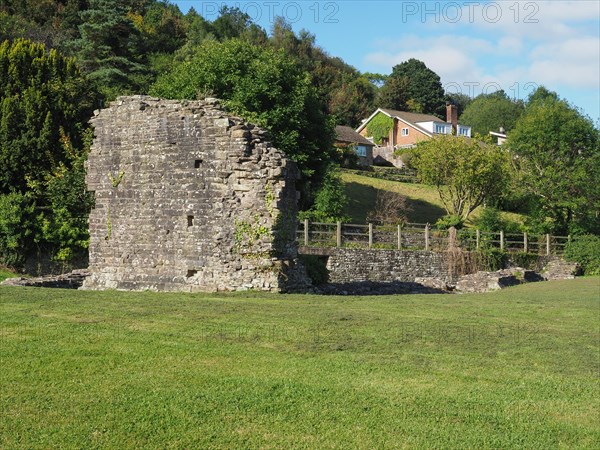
(557, 153)
(489, 112)
(464, 171)
(461, 101)
(330, 200)
(45, 102)
(267, 88)
(424, 91)
(352, 101)
(41, 93)
(110, 49)
(394, 94)
(17, 219)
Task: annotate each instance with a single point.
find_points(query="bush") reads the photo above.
(525, 260)
(491, 220)
(449, 221)
(491, 259)
(316, 268)
(16, 228)
(330, 201)
(586, 251)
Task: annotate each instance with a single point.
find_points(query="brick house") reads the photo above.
(346, 136)
(410, 128)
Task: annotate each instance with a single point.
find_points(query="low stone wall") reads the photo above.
(71, 280)
(357, 265)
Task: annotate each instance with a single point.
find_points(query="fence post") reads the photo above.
(370, 235)
(427, 237)
(525, 243)
(477, 238)
(501, 239)
(339, 234)
(399, 237)
(306, 232)
(547, 245)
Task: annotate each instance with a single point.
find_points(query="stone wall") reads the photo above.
(189, 198)
(385, 266)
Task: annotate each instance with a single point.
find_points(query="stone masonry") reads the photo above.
(189, 198)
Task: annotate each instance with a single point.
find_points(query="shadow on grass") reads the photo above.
(362, 198)
(377, 288)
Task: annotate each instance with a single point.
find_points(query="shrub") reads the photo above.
(390, 209)
(525, 260)
(449, 221)
(586, 251)
(330, 201)
(491, 258)
(16, 228)
(491, 220)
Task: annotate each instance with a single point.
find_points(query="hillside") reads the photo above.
(424, 201)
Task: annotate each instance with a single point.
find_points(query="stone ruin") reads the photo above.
(189, 198)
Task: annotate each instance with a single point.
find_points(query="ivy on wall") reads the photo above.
(379, 127)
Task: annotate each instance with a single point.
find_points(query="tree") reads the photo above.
(41, 93)
(266, 87)
(464, 171)
(394, 94)
(424, 91)
(45, 103)
(489, 112)
(461, 101)
(110, 49)
(557, 154)
(352, 101)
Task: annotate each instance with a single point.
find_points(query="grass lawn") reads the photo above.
(5, 273)
(516, 368)
(424, 201)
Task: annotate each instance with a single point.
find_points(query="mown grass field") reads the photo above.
(517, 368)
(424, 201)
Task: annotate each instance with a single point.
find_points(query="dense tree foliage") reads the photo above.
(557, 152)
(45, 102)
(464, 171)
(264, 86)
(489, 112)
(418, 86)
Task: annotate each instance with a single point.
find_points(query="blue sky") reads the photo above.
(475, 46)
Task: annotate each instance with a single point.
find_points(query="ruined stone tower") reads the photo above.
(189, 198)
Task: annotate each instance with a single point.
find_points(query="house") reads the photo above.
(500, 135)
(406, 129)
(346, 136)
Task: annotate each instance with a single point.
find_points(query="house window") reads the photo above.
(463, 131)
(361, 150)
(404, 131)
(440, 129)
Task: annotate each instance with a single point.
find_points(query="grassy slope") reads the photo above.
(517, 368)
(424, 200)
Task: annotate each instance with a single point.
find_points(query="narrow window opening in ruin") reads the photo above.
(190, 221)
(191, 273)
(197, 163)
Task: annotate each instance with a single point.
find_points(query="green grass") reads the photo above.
(424, 201)
(516, 368)
(6, 273)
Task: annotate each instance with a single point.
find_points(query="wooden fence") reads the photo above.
(419, 236)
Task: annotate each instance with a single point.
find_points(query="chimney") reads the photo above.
(452, 117)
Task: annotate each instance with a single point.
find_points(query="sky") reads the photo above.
(474, 46)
